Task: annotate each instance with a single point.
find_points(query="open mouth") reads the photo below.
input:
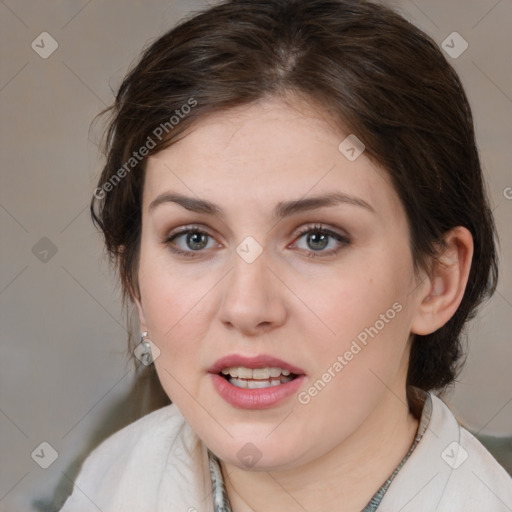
(257, 378)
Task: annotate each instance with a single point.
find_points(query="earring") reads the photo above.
(143, 351)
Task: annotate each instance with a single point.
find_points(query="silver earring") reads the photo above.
(143, 351)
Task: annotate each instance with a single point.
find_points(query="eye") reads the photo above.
(318, 238)
(193, 240)
(190, 241)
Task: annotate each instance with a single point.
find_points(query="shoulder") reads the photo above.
(449, 470)
(140, 451)
(148, 434)
(484, 474)
(474, 476)
(465, 447)
(163, 422)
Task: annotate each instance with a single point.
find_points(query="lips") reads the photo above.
(255, 362)
(257, 382)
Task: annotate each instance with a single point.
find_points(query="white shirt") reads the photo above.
(158, 464)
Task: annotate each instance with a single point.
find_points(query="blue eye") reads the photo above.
(195, 239)
(318, 239)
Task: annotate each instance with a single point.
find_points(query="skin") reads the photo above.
(334, 452)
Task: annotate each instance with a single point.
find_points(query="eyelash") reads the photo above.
(317, 228)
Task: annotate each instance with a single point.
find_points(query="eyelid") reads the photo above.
(318, 226)
(185, 229)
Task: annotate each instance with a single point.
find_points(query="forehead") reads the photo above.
(259, 154)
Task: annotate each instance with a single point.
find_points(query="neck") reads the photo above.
(343, 480)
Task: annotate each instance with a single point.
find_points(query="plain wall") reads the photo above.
(64, 374)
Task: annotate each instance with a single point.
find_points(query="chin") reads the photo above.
(255, 453)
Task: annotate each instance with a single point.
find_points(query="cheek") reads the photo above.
(356, 299)
(365, 328)
(355, 368)
(174, 309)
(172, 295)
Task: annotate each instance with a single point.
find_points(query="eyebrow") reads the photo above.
(282, 209)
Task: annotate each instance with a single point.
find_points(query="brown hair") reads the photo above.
(375, 73)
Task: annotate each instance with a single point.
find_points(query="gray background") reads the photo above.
(64, 374)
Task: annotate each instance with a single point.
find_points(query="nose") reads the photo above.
(254, 297)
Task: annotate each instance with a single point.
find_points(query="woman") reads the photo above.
(294, 200)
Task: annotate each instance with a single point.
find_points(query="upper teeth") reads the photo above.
(256, 373)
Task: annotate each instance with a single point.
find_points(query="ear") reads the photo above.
(444, 288)
(142, 318)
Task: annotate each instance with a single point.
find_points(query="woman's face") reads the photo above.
(261, 287)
